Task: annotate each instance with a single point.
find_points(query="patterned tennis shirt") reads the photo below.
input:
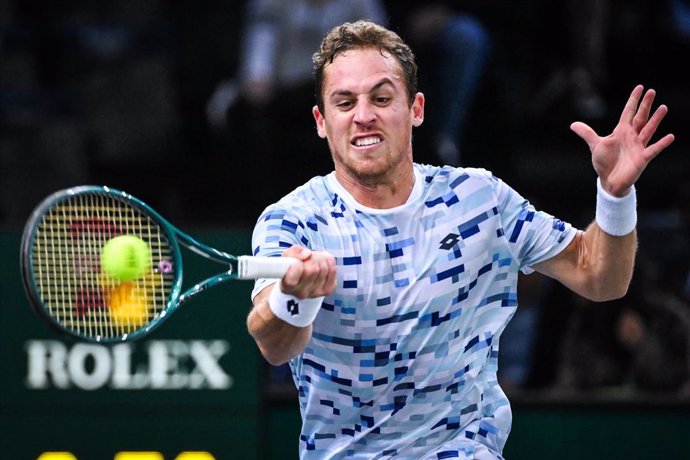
(403, 356)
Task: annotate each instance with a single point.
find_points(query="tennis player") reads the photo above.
(391, 322)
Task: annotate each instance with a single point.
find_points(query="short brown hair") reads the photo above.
(359, 35)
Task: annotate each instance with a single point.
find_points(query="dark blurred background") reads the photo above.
(120, 92)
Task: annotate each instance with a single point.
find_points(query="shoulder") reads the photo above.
(303, 203)
(455, 177)
(302, 217)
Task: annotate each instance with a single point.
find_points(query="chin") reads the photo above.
(369, 168)
(373, 175)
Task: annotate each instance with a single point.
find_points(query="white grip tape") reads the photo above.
(616, 216)
(253, 267)
(298, 312)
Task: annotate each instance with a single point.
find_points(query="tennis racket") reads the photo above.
(61, 268)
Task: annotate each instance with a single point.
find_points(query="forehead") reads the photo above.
(361, 67)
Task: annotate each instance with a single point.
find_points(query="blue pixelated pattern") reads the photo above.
(403, 355)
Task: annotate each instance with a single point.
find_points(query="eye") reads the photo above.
(382, 100)
(344, 104)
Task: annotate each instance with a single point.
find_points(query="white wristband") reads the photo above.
(298, 312)
(616, 216)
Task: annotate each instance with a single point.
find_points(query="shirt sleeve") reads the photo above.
(532, 235)
(275, 231)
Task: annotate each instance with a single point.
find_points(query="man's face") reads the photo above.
(367, 118)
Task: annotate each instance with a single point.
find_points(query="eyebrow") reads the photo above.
(384, 81)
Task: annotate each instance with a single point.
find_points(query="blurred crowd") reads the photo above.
(203, 110)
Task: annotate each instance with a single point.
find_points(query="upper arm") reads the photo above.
(531, 235)
(563, 266)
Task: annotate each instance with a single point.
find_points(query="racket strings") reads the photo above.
(67, 271)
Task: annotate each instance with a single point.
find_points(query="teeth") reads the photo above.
(367, 141)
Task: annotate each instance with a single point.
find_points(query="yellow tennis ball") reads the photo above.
(125, 257)
(128, 308)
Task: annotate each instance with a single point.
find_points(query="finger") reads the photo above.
(292, 278)
(318, 272)
(644, 110)
(331, 279)
(321, 280)
(650, 127)
(631, 106)
(658, 147)
(328, 276)
(297, 252)
(586, 133)
(315, 267)
(304, 254)
(307, 283)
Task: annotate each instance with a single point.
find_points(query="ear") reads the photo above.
(320, 122)
(418, 110)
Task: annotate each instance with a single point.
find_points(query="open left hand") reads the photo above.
(620, 157)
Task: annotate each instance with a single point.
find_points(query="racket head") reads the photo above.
(61, 268)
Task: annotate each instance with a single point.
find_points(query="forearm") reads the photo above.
(283, 312)
(599, 262)
(595, 265)
(277, 340)
(607, 263)
(611, 243)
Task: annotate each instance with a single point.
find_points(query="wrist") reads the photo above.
(616, 216)
(292, 310)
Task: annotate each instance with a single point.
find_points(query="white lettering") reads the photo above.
(47, 358)
(81, 376)
(166, 358)
(123, 377)
(206, 357)
(162, 364)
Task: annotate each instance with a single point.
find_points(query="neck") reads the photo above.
(380, 193)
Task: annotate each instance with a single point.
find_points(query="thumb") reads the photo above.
(586, 133)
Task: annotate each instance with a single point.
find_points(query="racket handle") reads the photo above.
(253, 267)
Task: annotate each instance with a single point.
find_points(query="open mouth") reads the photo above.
(367, 141)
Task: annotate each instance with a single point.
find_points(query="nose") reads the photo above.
(364, 113)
